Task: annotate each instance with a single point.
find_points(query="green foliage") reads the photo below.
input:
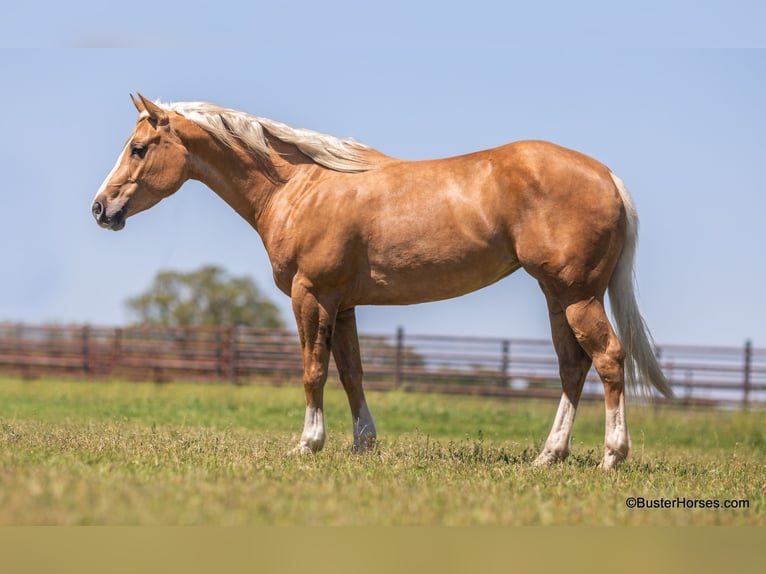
(380, 353)
(208, 296)
(182, 454)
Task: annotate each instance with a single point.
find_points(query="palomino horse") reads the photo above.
(345, 225)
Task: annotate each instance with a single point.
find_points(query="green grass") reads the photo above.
(178, 454)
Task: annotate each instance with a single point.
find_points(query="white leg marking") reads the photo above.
(556, 446)
(616, 436)
(365, 434)
(313, 437)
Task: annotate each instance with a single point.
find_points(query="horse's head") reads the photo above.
(152, 166)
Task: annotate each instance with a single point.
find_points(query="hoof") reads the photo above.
(364, 445)
(549, 457)
(612, 459)
(301, 450)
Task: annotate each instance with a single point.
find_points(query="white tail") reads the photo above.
(642, 372)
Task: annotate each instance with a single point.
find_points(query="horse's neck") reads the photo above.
(245, 182)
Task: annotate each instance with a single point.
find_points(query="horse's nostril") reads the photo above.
(97, 209)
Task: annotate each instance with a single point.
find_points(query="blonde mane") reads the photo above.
(227, 125)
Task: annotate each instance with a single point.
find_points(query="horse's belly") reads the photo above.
(424, 281)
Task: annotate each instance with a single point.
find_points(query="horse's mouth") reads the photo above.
(113, 226)
(113, 222)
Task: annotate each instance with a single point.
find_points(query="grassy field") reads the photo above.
(183, 454)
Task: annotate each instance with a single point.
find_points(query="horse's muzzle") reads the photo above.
(115, 221)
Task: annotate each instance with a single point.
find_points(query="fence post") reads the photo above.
(220, 352)
(233, 358)
(85, 349)
(399, 358)
(116, 350)
(505, 362)
(746, 374)
(19, 336)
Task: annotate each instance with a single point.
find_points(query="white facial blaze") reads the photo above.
(104, 185)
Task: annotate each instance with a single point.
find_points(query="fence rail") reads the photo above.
(728, 376)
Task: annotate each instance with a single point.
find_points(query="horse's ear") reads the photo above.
(139, 105)
(155, 112)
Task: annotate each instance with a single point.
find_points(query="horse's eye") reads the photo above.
(138, 150)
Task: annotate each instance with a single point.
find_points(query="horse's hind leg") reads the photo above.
(591, 327)
(574, 364)
(345, 351)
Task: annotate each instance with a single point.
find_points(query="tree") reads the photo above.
(208, 296)
(379, 352)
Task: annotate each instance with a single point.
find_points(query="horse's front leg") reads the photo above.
(315, 317)
(345, 350)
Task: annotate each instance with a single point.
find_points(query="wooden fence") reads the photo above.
(722, 376)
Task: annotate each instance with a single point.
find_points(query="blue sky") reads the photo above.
(682, 122)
